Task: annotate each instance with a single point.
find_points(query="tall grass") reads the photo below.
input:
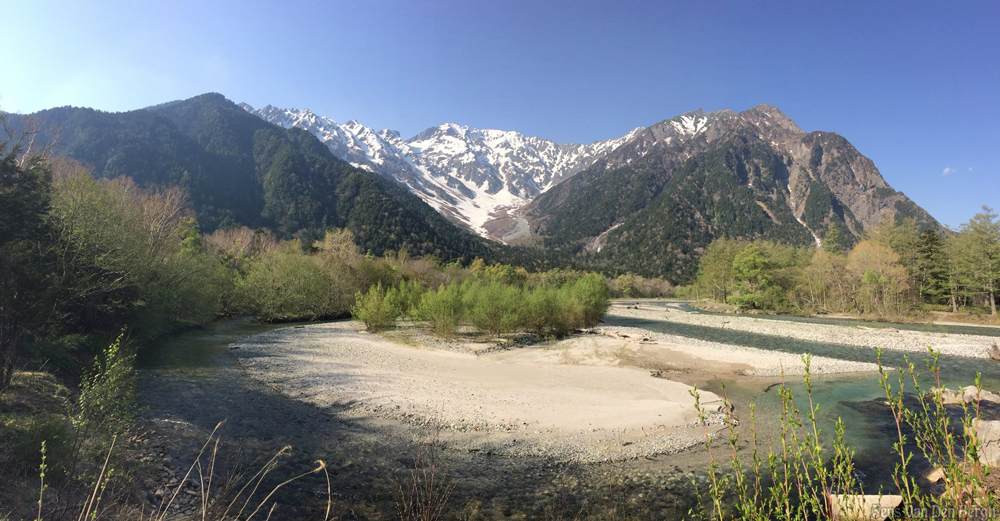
(423, 493)
(807, 475)
(251, 501)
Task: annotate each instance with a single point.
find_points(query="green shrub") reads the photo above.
(811, 466)
(443, 308)
(591, 292)
(377, 308)
(547, 312)
(410, 294)
(494, 307)
(285, 284)
(107, 403)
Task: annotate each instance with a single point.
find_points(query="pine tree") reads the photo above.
(930, 271)
(831, 241)
(982, 254)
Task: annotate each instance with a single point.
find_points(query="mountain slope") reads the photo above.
(653, 204)
(474, 177)
(648, 202)
(240, 169)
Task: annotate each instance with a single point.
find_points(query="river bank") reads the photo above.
(192, 381)
(331, 392)
(964, 345)
(572, 399)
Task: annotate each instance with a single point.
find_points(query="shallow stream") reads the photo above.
(190, 381)
(857, 399)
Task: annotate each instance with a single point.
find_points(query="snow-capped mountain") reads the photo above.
(472, 176)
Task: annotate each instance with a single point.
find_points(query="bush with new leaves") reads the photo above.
(495, 307)
(443, 308)
(378, 308)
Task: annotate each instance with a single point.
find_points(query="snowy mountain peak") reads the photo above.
(470, 175)
(389, 134)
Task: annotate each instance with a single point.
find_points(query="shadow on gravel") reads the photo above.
(190, 382)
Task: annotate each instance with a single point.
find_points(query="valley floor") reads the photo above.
(573, 399)
(573, 428)
(612, 393)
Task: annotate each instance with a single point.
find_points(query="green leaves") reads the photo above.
(378, 308)
(107, 402)
(443, 308)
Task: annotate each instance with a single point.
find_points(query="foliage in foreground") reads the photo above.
(76, 433)
(811, 477)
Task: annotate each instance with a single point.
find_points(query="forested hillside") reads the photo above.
(704, 198)
(240, 170)
(649, 207)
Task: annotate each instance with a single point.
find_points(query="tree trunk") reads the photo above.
(993, 300)
(8, 355)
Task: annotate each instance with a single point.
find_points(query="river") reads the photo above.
(190, 381)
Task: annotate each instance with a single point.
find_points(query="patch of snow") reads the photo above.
(690, 125)
(471, 173)
(604, 236)
(819, 243)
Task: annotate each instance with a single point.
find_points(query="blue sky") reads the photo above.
(913, 85)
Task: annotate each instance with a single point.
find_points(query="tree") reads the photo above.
(959, 280)
(930, 272)
(625, 283)
(831, 241)
(982, 254)
(122, 257)
(443, 308)
(751, 273)
(494, 307)
(377, 308)
(881, 280)
(591, 292)
(715, 269)
(25, 187)
(285, 284)
(823, 284)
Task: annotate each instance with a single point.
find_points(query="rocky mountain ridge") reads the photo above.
(472, 176)
(682, 182)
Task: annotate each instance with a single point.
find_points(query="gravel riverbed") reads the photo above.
(512, 403)
(972, 346)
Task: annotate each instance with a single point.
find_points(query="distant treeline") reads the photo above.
(894, 271)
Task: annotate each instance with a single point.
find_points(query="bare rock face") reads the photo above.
(988, 434)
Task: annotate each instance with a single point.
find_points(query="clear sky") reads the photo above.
(913, 85)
